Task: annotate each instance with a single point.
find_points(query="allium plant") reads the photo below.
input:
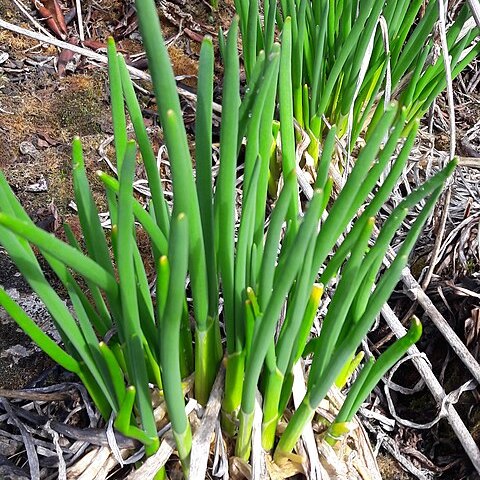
(351, 58)
(269, 275)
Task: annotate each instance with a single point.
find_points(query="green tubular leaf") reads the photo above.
(155, 234)
(20, 251)
(265, 137)
(163, 275)
(115, 372)
(203, 157)
(9, 202)
(438, 84)
(342, 416)
(225, 191)
(357, 58)
(65, 253)
(270, 9)
(372, 208)
(278, 366)
(376, 254)
(264, 333)
(415, 42)
(286, 345)
(318, 66)
(348, 370)
(350, 199)
(319, 386)
(36, 334)
(407, 98)
(170, 334)
(244, 245)
(93, 357)
(124, 416)
(130, 324)
(183, 182)
(307, 321)
(144, 299)
(271, 413)
(298, 59)
(207, 358)
(250, 97)
(162, 214)
(384, 363)
(116, 99)
(341, 301)
(377, 299)
(326, 158)
(221, 43)
(250, 46)
(122, 420)
(102, 308)
(302, 416)
(286, 115)
(347, 48)
(87, 211)
(264, 97)
(249, 326)
(177, 145)
(64, 321)
(277, 219)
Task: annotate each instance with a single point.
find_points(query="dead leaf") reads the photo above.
(127, 25)
(50, 10)
(196, 37)
(95, 44)
(45, 140)
(66, 56)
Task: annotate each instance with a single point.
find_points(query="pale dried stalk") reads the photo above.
(203, 436)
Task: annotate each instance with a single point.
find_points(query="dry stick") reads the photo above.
(32, 456)
(391, 446)
(154, 463)
(451, 116)
(93, 55)
(81, 33)
(258, 457)
(414, 292)
(435, 388)
(34, 396)
(438, 239)
(475, 9)
(203, 436)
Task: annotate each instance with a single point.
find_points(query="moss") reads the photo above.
(390, 468)
(8, 11)
(79, 107)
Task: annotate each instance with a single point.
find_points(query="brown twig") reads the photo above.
(33, 395)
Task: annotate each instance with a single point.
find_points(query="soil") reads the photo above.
(41, 111)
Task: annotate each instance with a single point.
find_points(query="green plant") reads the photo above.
(350, 59)
(258, 271)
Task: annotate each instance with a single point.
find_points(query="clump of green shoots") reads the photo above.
(350, 59)
(121, 340)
